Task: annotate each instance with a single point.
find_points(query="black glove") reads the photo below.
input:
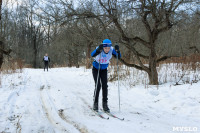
(117, 50)
(100, 48)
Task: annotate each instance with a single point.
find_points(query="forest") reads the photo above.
(149, 32)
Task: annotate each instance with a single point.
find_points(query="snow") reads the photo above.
(57, 101)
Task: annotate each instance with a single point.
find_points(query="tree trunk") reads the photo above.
(35, 52)
(88, 56)
(76, 57)
(0, 17)
(153, 74)
(1, 53)
(69, 58)
(0, 8)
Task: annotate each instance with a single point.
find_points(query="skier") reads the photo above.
(46, 60)
(103, 53)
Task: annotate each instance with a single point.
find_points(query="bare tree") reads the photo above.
(2, 40)
(0, 8)
(156, 17)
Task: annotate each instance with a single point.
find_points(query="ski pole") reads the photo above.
(118, 81)
(97, 79)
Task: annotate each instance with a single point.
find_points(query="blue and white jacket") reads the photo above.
(103, 58)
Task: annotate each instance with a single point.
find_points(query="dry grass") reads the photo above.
(179, 70)
(12, 66)
(57, 65)
(187, 62)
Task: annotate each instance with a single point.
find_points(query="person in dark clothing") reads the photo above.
(102, 55)
(46, 60)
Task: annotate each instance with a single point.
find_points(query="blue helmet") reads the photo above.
(107, 43)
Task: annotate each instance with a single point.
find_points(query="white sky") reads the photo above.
(11, 3)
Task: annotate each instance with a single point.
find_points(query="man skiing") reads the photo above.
(46, 60)
(103, 53)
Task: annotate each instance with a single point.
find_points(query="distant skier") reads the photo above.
(103, 53)
(46, 60)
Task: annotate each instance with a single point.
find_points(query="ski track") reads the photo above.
(51, 114)
(48, 100)
(10, 105)
(50, 109)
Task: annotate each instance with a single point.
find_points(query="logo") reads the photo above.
(185, 129)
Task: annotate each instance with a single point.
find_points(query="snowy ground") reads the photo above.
(31, 102)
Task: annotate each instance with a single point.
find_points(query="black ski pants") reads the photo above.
(102, 81)
(46, 65)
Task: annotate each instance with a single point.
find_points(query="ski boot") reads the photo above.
(95, 107)
(105, 107)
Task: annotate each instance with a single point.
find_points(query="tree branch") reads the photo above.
(125, 38)
(140, 40)
(164, 58)
(6, 52)
(131, 65)
(168, 24)
(137, 56)
(195, 48)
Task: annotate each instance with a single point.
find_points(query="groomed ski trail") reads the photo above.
(55, 115)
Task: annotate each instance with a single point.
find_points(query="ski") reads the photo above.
(98, 114)
(112, 115)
